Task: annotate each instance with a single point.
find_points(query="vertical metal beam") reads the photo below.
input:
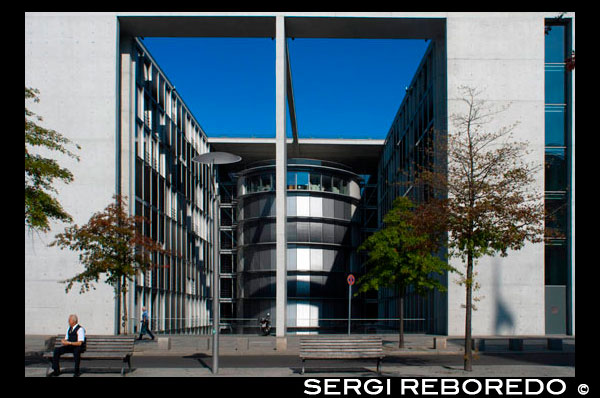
(280, 181)
(290, 96)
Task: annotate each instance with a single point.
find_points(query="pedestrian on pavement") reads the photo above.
(145, 324)
(74, 342)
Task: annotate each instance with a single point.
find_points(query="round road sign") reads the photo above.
(351, 279)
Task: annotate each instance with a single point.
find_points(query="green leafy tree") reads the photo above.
(41, 172)
(110, 244)
(403, 254)
(491, 204)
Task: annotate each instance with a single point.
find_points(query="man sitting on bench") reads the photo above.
(74, 342)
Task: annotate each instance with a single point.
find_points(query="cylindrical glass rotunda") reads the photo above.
(322, 235)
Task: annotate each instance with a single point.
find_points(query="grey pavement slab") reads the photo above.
(387, 371)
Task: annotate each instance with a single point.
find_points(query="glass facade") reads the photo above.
(173, 194)
(322, 232)
(408, 143)
(557, 172)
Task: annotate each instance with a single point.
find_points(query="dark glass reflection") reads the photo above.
(556, 170)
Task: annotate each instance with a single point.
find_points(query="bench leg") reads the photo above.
(128, 360)
(302, 372)
(379, 366)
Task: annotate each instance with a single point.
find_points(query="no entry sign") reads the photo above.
(350, 279)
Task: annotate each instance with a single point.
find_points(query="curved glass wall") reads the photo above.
(302, 175)
(322, 232)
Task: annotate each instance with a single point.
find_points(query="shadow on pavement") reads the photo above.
(202, 359)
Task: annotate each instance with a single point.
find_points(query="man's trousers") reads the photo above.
(58, 351)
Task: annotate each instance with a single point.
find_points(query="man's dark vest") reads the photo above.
(72, 337)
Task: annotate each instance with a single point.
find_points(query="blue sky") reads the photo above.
(343, 88)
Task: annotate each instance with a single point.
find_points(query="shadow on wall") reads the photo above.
(504, 321)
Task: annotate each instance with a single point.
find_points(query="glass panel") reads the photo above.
(316, 207)
(302, 179)
(328, 208)
(336, 184)
(338, 209)
(556, 264)
(556, 170)
(326, 183)
(555, 44)
(303, 232)
(328, 230)
(291, 180)
(291, 205)
(316, 232)
(555, 126)
(303, 261)
(344, 187)
(291, 256)
(292, 235)
(303, 206)
(555, 84)
(315, 182)
(556, 216)
(265, 182)
(316, 259)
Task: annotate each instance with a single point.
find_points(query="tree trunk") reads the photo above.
(124, 294)
(401, 316)
(468, 339)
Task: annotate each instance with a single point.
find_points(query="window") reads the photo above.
(302, 179)
(291, 180)
(555, 267)
(556, 169)
(315, 182)
(556, 215)
(555, 125)
(327, 183)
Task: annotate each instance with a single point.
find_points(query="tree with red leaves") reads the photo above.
(110, 244)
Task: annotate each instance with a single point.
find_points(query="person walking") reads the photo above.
(145, 324)
(74, 342)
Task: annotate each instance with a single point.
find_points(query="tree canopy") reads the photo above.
(41, 172)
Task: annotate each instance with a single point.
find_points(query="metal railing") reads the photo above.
(197, 325)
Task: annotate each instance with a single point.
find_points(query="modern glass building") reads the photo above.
(294, 210)
(173, 194)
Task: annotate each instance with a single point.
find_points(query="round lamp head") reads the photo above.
(217, 158)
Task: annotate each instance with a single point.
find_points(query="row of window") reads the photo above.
(297, 206)
(298, 180)
(170, 191)
(308, 232)
(299, 258)
(556, 155)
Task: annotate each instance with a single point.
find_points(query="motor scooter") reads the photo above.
(265, 324)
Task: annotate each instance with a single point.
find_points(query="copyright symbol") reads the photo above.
(583, 389)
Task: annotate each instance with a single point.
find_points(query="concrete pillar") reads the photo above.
(126, 153)
(280, 185)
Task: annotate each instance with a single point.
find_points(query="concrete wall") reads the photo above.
(71, 59)
(502, 54)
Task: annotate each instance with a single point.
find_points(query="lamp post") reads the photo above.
(213, 158)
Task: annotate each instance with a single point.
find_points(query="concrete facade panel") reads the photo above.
(71, 59)
(503, 56)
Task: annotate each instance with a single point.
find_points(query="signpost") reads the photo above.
(350, 283)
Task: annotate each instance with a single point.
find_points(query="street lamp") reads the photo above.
(213, 158)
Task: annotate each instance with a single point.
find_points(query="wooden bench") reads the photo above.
(99, 348)
(342, 348)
